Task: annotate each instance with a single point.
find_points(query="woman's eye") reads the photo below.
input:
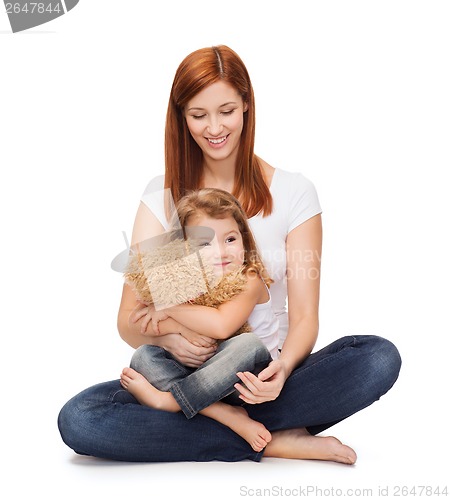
(228, 112)
(197, 117)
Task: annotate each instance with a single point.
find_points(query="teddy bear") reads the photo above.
(171, 269)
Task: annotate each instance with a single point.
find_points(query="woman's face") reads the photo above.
(215, 117)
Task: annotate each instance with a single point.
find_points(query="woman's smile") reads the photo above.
(217, 142)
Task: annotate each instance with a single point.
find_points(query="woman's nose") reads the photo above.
(214, 127)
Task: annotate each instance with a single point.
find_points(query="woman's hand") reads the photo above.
(184, 351)
(264, 387)
(198, 339)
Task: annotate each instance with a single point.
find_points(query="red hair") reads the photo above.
(183, 156)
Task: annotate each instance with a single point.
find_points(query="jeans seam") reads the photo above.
(182, 401)
(114, 394)
(298, 370)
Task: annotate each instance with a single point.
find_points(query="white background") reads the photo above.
(354, 94)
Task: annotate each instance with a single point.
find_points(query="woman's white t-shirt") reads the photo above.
(295, 201)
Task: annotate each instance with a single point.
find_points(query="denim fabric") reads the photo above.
(194, 390)
(330, 385)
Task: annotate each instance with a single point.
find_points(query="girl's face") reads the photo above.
(226, 250)
(215, 117)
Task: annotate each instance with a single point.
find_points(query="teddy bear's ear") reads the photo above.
(195, 236)
(121, 261)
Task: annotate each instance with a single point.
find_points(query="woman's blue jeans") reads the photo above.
(193, 389)
(330, 385)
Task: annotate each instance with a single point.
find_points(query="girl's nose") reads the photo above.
(218, 251)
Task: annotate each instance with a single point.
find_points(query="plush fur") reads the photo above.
(175, 273)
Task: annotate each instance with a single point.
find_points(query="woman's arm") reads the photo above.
(304, 250)
(217, 323)
(304, 253)
(146, 225)
(129, 330)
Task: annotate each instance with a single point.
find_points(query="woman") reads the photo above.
(209, 143)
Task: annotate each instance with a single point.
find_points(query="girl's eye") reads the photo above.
(205, 244)
(230, 239)
(228, 112)
(197, 117)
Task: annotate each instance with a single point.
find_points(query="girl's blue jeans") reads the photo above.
(330, 385)
(193, 389)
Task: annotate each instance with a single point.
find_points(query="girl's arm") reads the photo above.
(131, 320)
(220, 323)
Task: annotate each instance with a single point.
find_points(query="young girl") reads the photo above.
(157, 380)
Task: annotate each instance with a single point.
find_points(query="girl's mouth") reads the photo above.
(222, 264)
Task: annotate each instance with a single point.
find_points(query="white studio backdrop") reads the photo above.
(354, 94)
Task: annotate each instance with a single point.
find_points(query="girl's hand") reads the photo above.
(184, 351)
(264, 387)
(156, 317)
(148, 314)
(142, 311)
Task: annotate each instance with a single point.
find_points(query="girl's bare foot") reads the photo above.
(298, 443)
(146, 393)
(237, 419)
(252, 431)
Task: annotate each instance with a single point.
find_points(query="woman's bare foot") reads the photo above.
(146, 393)
(299, 443)
(237, 419)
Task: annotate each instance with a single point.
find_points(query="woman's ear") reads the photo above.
(245, 106)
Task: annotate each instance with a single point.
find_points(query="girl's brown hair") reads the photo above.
(183, 156)
(218, 204)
